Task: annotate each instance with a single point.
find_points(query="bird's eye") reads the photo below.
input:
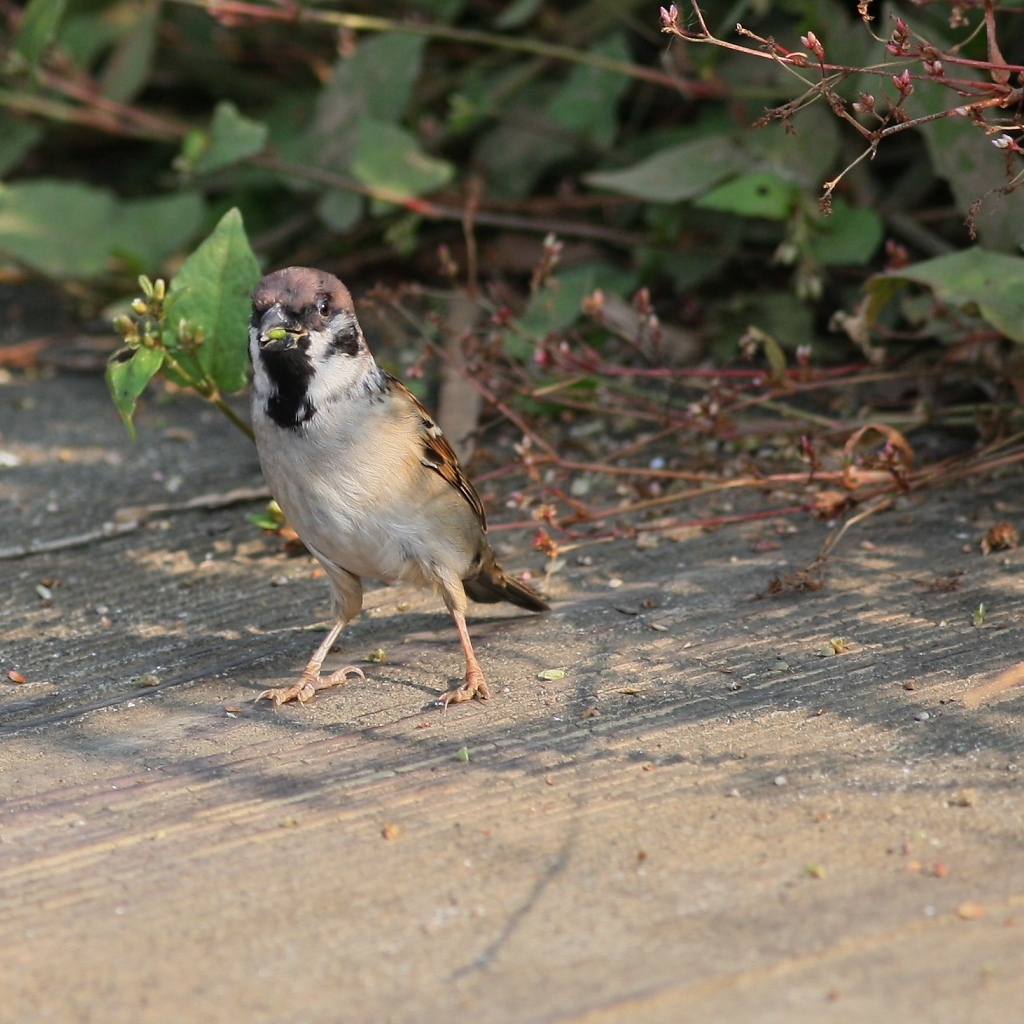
(323, 307)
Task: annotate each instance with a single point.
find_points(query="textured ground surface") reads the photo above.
(704, 820)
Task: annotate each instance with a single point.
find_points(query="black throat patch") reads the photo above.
(290, 374)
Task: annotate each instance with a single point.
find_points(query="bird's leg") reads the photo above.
(348, 599)
(474, 686)
(310, 681)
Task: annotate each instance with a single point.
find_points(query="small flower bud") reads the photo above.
(809, 284)
(159, 289)
(896, 255)
(593, 304)
(125, 326)
(903, 83)
(813, 44)
(1004, 142)
(787, 254)
(140, 306)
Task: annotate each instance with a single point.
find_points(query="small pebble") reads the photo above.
(922, 716)
(780, 780)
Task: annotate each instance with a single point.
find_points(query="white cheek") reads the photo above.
(334, 373)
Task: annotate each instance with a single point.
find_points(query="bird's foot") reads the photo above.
(308, 684)
(474, 686)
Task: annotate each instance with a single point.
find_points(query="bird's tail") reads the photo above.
(492, 584)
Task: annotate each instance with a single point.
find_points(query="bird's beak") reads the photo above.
(278, 331)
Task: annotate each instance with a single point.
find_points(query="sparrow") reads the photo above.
(361, 471)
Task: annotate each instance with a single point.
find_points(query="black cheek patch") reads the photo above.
(347, 341)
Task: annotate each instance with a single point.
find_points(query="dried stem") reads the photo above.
(294, 12)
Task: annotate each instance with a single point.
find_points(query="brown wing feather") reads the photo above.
(438, 454)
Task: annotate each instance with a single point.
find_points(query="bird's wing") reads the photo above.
(437, 453)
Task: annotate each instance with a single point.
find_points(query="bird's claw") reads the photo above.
(474, 686)
(308, 685)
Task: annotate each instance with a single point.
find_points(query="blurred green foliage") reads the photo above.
(128, 128)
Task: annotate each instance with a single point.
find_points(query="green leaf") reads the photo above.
(340, 209)
(389, 158)
(445, 10)
(587, 102)
(58, 228)
(147, 231)
(376, 81)
(18, 139)
(232, 137)
(679, 172)
(775, 312)
(559, 303)
(212, 291)
(85, 36)
(973, 168)
(880, 288)
(517, 14)
(129, 65)
(522, 144)
(806, 156)
(67, 229)
(761, 194)
(190, 370)
(128, 373)
(850, 236)
(39, 25)
(991, 282)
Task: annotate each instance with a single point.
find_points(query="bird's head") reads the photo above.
(305, 342)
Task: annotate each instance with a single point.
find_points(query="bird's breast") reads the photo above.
(358, 495)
